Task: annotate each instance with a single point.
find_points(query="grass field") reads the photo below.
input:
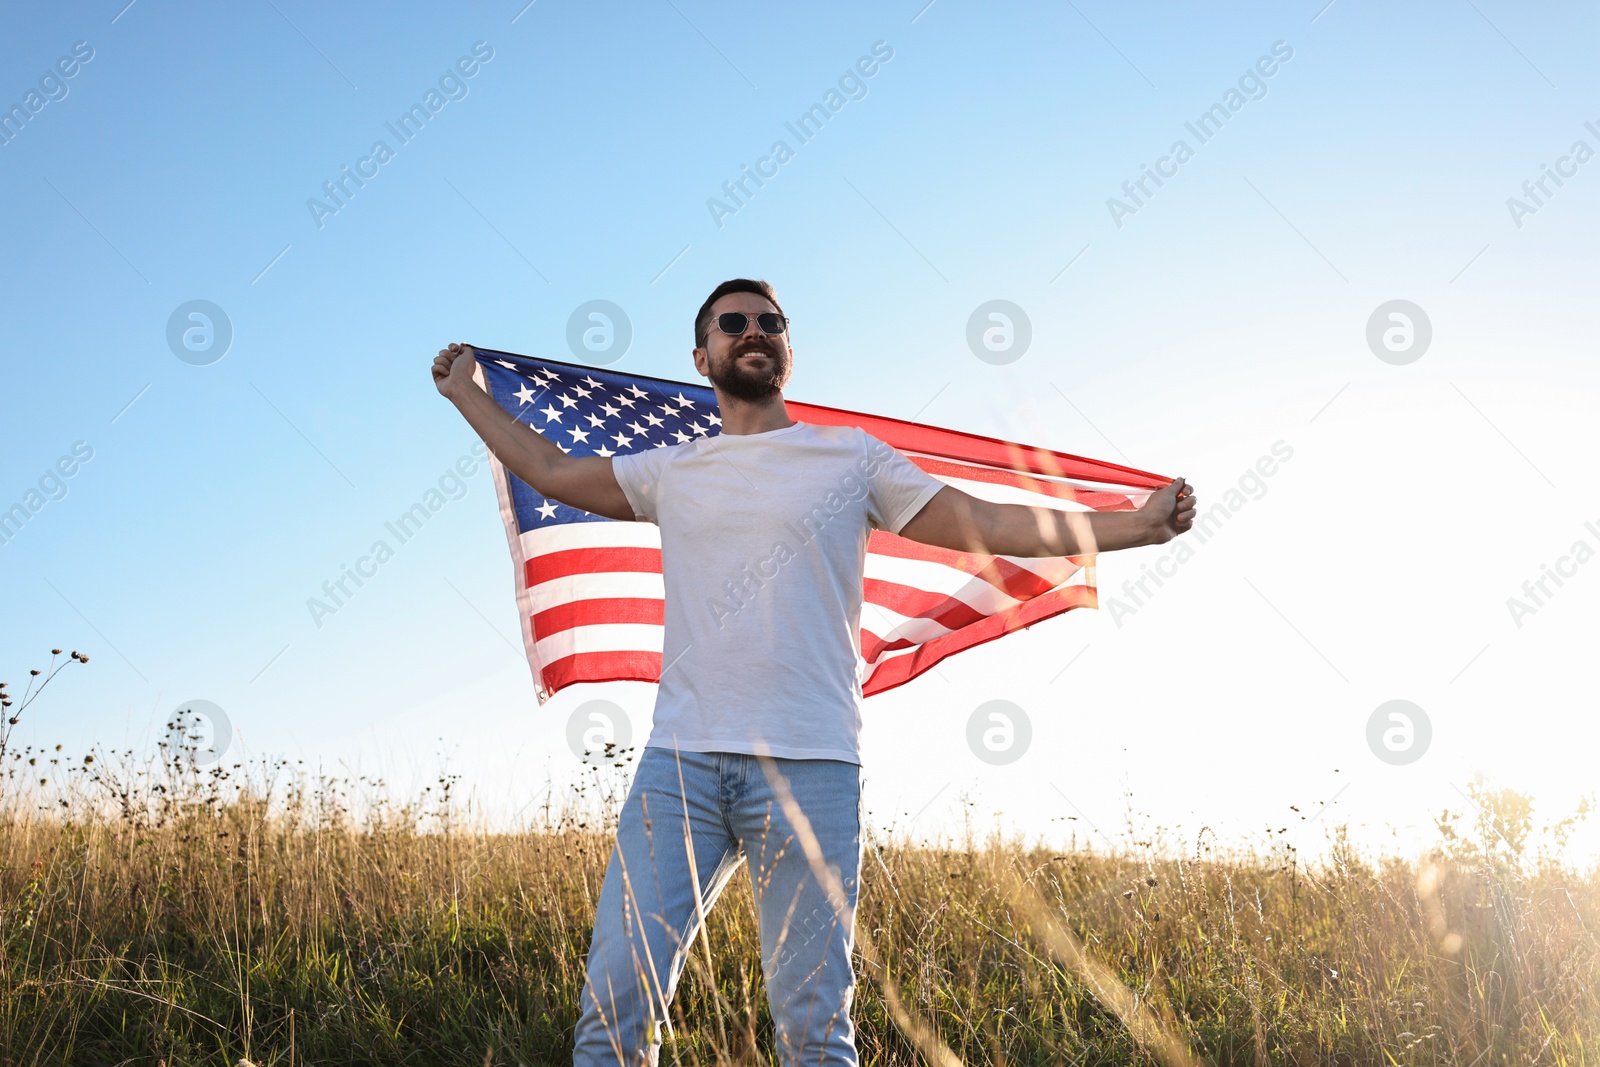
(154, 912)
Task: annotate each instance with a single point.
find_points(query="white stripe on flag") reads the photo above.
(569, 535)
(597, 585)
(601, 637)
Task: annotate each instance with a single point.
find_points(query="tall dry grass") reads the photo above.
(152, 911)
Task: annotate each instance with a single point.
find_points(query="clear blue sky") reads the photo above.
(1226, 313)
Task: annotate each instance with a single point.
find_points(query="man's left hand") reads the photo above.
(1169, 511)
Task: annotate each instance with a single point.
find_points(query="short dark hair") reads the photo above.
(702, 320)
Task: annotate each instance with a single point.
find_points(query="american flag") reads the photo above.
(589, 589)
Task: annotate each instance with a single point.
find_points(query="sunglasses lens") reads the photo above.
(734, 322)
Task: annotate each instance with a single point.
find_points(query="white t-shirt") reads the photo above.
(763, 544)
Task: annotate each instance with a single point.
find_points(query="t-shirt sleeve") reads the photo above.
(639, 475)
(896, 487)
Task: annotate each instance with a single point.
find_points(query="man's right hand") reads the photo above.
(452, 369)
(584, 482)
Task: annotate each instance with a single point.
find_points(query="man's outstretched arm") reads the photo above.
(957, 520)
(583, 482)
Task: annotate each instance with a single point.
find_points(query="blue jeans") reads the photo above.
(647, 921)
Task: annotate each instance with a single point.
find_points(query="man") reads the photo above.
(777, 679)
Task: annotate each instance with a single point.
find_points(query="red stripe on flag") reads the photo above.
(947, 611)
(902, 669)
(1098, 500)
(602, 667)
(974, 448)
(596, 612)
(915, 603)
(1008, 577)
(569, 561)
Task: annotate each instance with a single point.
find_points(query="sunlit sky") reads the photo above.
(1225, 315)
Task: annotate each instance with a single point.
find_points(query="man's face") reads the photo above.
(748, 366)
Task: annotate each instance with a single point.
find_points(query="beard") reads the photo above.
(742, 380)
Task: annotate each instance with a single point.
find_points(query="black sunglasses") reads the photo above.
(734, 322)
